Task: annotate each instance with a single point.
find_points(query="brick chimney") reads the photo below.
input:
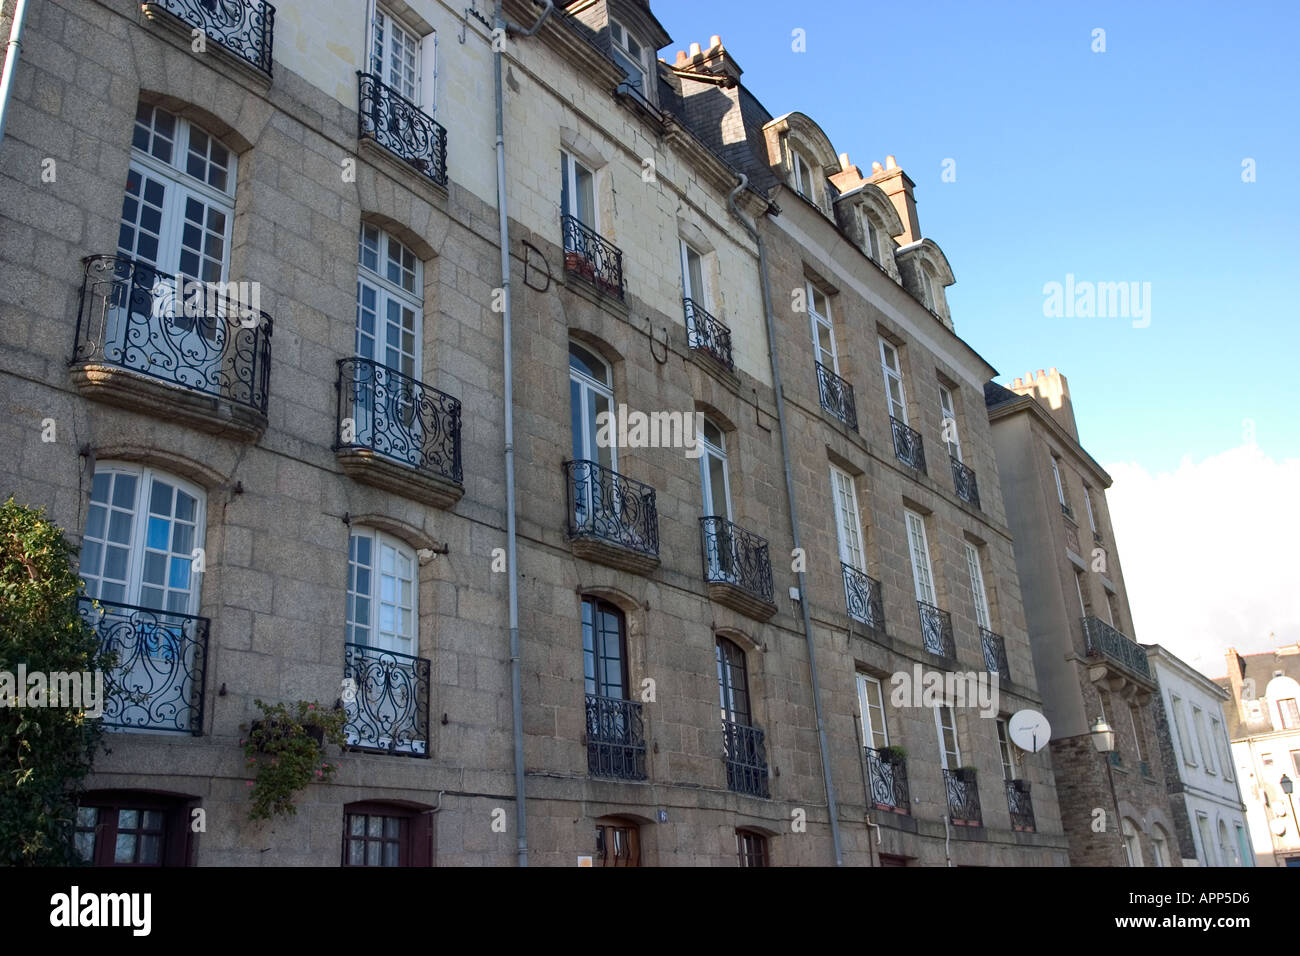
(714, 60)
(898, 186)
(849, 177)
(1236, 668)
(1053, 393)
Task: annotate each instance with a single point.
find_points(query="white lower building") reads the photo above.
(1206, 777)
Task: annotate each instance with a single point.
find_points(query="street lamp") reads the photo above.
(1103, 738)
(1287, 786)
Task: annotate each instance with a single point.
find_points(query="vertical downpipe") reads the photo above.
(503, 224)
(12, 50)
(831, 807)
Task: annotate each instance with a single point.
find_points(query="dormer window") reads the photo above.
(804, 178)
(631, 56)
(871, 234)
(927, 290)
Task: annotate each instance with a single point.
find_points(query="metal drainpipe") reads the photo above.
(831, 807)
(11, 61)
(516, 679)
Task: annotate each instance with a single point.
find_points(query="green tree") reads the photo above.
(45, 752)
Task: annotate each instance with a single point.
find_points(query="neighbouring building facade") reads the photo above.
(1114, 804)
(1262, 719)
(1200, 777)
(252, 317)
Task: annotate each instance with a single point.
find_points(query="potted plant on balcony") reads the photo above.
(1020, 786)
(966, 774)
(893, 754)
(287, 749)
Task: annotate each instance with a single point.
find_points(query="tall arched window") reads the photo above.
(390, 301)
(382, 585)
(591, 392)
(604, 649)
(1132, 843)
(733, 683)
(615, 734)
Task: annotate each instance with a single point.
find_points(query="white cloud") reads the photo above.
(1209, 553)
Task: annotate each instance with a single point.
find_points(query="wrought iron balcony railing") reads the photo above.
(391, 414)
(592, 257)
(206, 339)
(963, 797)
(603, 504)
(389, 709)
(995, 654)
(244, 27)
(908, 446)
(862, 597)
(887, 775)
(706, 333)
(1105, 641)
(1067, 511)
(936, 631)
(746, 757)
(735, 556)
(1020, 805)
(395, 123)
(615, 738)
(963, 479)
(157, 682)
(837, 396)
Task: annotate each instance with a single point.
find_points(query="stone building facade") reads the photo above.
(295, 489)
(1262, 719)
(1114, 805)
(1201, 777)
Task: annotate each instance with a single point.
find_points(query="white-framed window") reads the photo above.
(1159, 846)
(823, 332)
(927, 290)
(949, 409)
(1289, 711)
(142, 533)
(848, 523)
(1087, 503)
(1225, 752)
(1198, 722)
(591, 392)
(871, 237)
(713, 471)
(804, 177)
(577, 191)
(1203, 831)
(946, 726)
(400, 58)
(977, 587)
(1111, 617)
(871, 707)
(382, 592)
(1078, 587)
(1010, 767)
(1180, 724)
(693, 284)
(1226, 854)
(1243, 846)
(390, 301)
(1135, 722)
(919, 550)
(630, 54)
(1060, 486)
(892, 366)
(1132, 844)
(177, 214)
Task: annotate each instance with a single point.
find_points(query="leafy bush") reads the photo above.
(289, 752)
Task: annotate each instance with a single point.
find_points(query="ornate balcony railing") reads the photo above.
(592, 257)
(1105, 641)
(1067, 511)
(963, 797)
(157, 682)
(615, 738)
(244, 27)
(706, 333)
(862, 597)
(391, 414)
(746, 756)
(887, 775)
(389, 709)
(395, 123)
(963, 479)
(908, 446)
(735, 556)
(604, 504)
(1020, 805)
(995, 654)
(936, 631)
(837, 396)
(206, 339)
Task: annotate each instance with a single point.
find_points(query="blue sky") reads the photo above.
(1124, 165)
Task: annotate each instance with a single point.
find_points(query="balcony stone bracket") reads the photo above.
(738, 599)
(363, 465)
(404, 172)
(209, 413)
(181, 34)
(1107, 675)
(587, 290)
(614, 555)
(717, 369)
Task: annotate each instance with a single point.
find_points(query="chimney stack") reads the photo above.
(1052, 391)
(899, 188)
